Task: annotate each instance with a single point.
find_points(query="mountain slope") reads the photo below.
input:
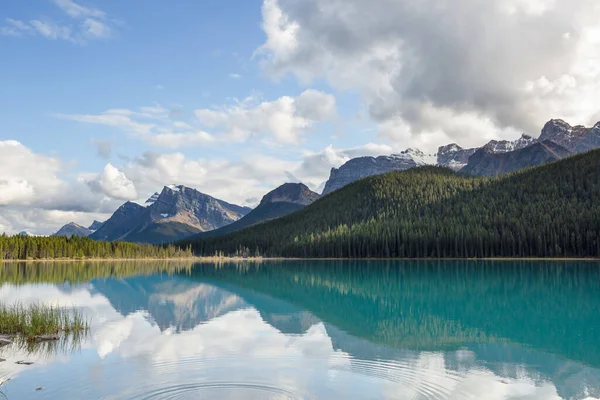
(284, 200)
(362, 167)
(487, 162)
(120, 224)
(177, 212)
(73, 229)
(550, 210)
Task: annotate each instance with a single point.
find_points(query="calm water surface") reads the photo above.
(313, 330)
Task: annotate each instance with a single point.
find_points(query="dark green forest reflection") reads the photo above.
(549, 306)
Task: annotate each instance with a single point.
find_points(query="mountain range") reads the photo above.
(558, 140)
(179, 212)
(433, 212)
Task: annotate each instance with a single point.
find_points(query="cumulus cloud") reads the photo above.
(286, 118)
(35, 197)
(114, 184)
(24, 175)
(88, 24)
(498, 66)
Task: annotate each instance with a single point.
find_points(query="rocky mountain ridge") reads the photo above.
(177, 212)
(480, 160)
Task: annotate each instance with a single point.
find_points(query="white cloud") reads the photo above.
(51, 30)
(26, 176)
(75, 10)
(35, 197)
(114, 183)
(498, 66)
(178, 140)
(96, 29)
(250, 176)
(89, 23)
(286, 118)
(235, 76)
(155, 124)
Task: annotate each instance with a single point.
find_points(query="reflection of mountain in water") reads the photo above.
(505, 316)
(173, 302)
(550, 306)
(182, 303)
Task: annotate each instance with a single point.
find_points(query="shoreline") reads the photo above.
(261, 259)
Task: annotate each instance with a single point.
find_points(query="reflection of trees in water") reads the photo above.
(551, 306)
(81, 271)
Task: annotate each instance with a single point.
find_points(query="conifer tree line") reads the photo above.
(39, 247)
(432, 212)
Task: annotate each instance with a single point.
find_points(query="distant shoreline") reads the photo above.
(262, 259)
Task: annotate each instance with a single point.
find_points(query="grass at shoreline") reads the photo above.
(37, 320)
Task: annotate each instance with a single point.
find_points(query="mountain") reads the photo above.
(505, 146)
(95, 226)
(576, 139)
(73, 229)
(487, 162)
(284, 200)
(363, 167)
(177, 212)
(453, 156)
(120, 224)
(547, 211)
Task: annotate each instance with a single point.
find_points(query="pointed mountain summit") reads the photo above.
(284, 200)
(177, 212)
(95, 226)
(120, 224)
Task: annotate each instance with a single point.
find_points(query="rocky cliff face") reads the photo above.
(175, 213)
(453, 156)
(363, 167)
(191, 207)
(576, 139)
(487, 163)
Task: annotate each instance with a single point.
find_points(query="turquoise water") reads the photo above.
(313, 330)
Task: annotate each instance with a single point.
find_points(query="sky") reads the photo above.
(108, 101)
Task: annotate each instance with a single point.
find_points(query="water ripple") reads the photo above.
(215, 390)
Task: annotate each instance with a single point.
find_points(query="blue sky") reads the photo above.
(107, 101)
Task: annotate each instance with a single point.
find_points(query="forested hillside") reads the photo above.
(548, 211)
(32, 247)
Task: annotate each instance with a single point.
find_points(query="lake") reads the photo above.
(312, 330)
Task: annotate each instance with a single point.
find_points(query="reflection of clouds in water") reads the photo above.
(242, 347)
(241, 332)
